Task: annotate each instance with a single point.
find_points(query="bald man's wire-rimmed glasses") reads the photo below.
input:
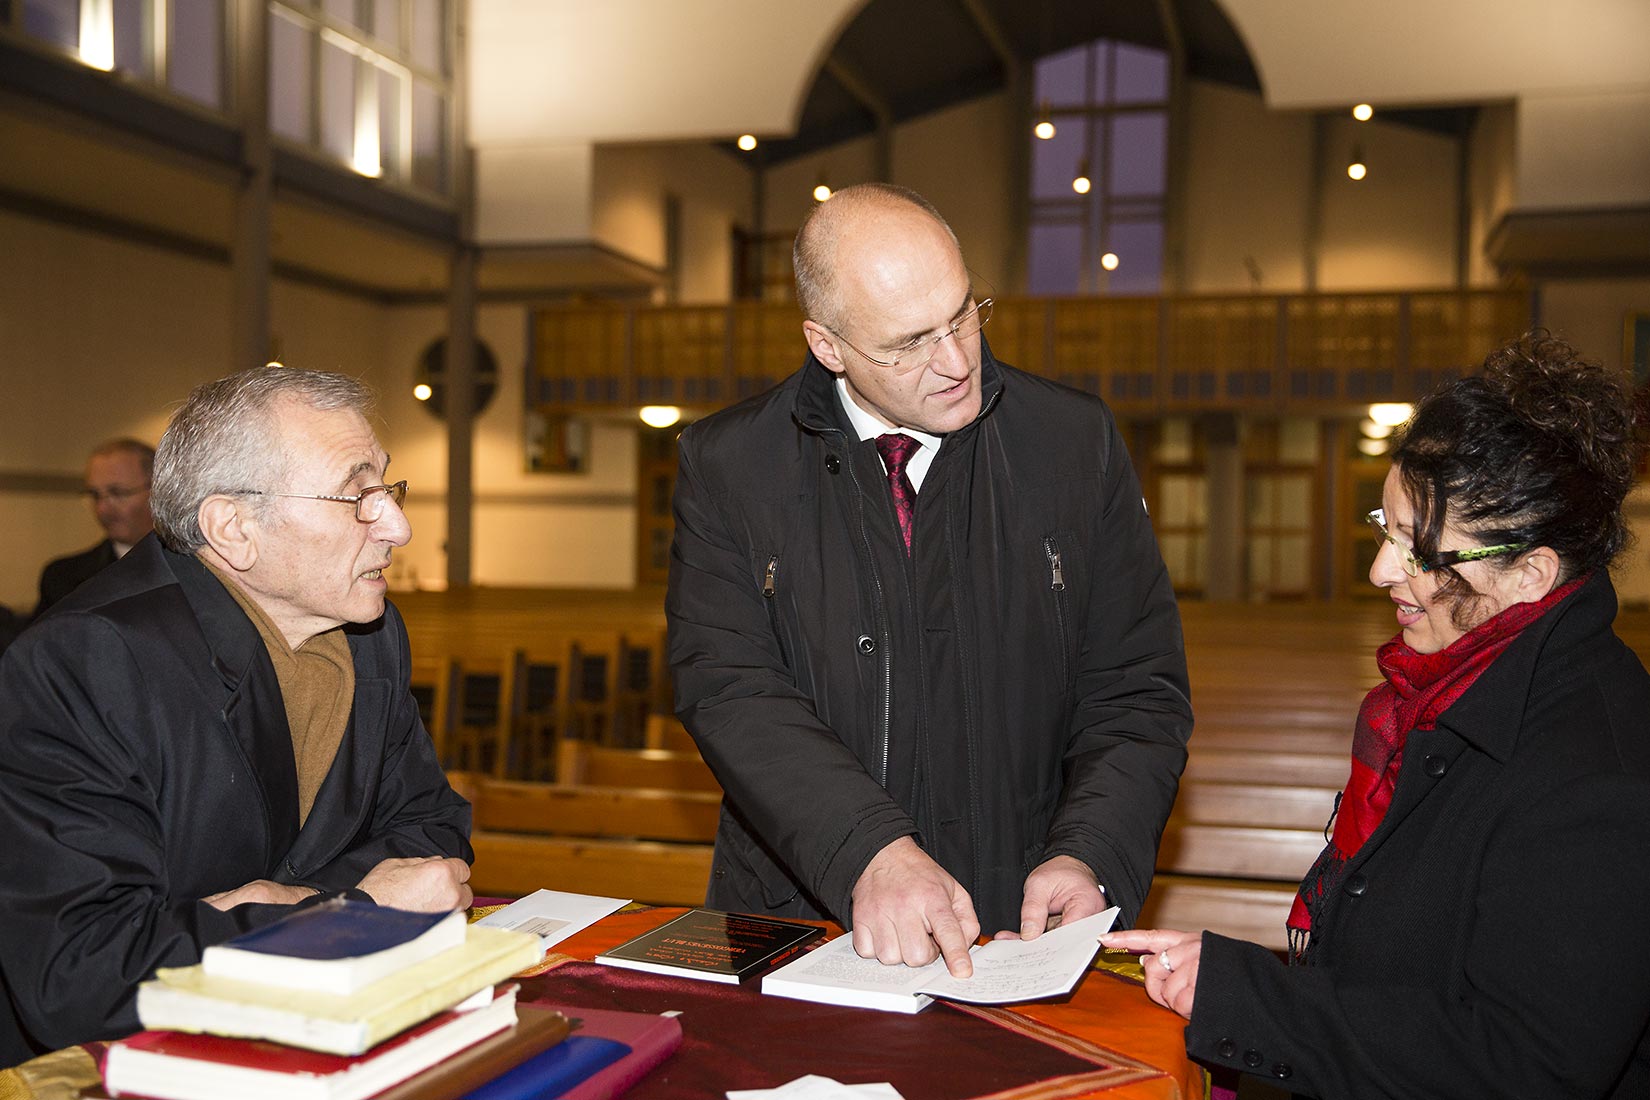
(1414, 566)
(920, 352)
(369, 502)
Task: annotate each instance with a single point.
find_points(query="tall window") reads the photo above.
(1109, 103)
(367, 82)
(178, 45)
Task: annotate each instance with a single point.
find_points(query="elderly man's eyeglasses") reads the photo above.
(921, 351)
(115, 494)
(369, 502)
(1414, 566)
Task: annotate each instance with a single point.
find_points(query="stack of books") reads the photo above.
(339, 1001)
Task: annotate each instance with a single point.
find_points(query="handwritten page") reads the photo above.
(552, 915)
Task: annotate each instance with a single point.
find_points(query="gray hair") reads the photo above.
(813, 254)
(225, 440)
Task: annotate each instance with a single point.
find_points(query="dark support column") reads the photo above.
(1332, 462)
(461, 330)
(249, 253)
(1225, 533)
(1314, 202)
(1179, 154)
(461, 385)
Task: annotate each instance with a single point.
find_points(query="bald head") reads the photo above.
(833, 237)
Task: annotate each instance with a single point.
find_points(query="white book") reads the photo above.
(553, 915)
(1005, 972)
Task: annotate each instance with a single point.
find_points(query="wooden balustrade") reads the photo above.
(1143, 354)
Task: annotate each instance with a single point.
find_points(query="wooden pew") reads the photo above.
(583, 764)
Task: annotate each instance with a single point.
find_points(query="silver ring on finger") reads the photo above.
(1163, 957)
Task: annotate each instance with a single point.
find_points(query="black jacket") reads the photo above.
(1490, 937)
(1014, 691)
(63, 575)
(146, 763)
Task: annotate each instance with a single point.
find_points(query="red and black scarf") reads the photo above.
(1418, 688)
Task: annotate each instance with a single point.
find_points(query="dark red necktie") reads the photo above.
(896, 450)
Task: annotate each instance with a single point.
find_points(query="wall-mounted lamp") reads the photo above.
(1081, 182)
(1391, 413)
(1045, 122)
(659, 416)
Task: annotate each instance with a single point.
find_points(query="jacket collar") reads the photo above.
(1490, 714)
(817, 409)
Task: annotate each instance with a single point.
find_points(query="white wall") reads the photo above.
(1247, 178)
(630, 183)
(1581, 150)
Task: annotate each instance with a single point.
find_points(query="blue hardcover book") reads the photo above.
(338, 946)
(557, 1070)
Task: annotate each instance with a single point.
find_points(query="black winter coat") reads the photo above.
(1014, 690)
(146, 763)
(1489, 939)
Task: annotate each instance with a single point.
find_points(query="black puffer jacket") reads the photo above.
(1013, 691)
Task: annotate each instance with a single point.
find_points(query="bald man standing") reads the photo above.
(919, 623)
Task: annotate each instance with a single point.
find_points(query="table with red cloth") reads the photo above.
(1105, 1040)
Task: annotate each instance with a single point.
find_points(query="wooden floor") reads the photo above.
(1275, 688)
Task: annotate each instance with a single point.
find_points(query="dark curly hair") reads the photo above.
(1538, 450)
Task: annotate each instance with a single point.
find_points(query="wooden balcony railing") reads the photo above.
(1155, 354)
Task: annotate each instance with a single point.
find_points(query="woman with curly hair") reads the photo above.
(1477, 925)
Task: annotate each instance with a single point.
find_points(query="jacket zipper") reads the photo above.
(1057, 585)
(767, 577)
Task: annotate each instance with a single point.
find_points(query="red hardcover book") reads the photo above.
(173, 1065)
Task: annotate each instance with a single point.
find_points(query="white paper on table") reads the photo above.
(815, 1087)
(1007, 971)
(552, 915)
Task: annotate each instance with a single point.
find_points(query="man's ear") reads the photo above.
(823, 346)
(231, 531)
(1538, 572)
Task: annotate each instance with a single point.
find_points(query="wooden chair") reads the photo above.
(535, 702)
(665, 731)
(592, 689)
(434, 681)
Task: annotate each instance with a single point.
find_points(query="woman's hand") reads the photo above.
(1169, 959)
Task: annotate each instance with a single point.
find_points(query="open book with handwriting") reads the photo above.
(1005, 972)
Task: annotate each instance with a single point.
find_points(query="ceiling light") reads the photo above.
(660, 416)
(1391, 414)
(1374, 448)
(1109, 261)
(822, 190)
(1374, 430)
(747, 142)
(1081, 182)
(422, 392)
(1363, 112)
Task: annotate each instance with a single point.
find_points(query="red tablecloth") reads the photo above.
(1105, 1040)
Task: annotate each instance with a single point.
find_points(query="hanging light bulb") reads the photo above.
(747, 142)
(1081, 183)
(1109, 261)
(422, 392)
(1357, 169)
(1045, 122)
(822, 190)
(1363, 112)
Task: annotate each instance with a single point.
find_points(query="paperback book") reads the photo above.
(713, 946)
(189, 999)
(337, 946)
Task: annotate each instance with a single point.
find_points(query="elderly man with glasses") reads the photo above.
(919, 623)
(219, 726)
(117, 487)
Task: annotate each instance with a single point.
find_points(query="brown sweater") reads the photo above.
(317, 686)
